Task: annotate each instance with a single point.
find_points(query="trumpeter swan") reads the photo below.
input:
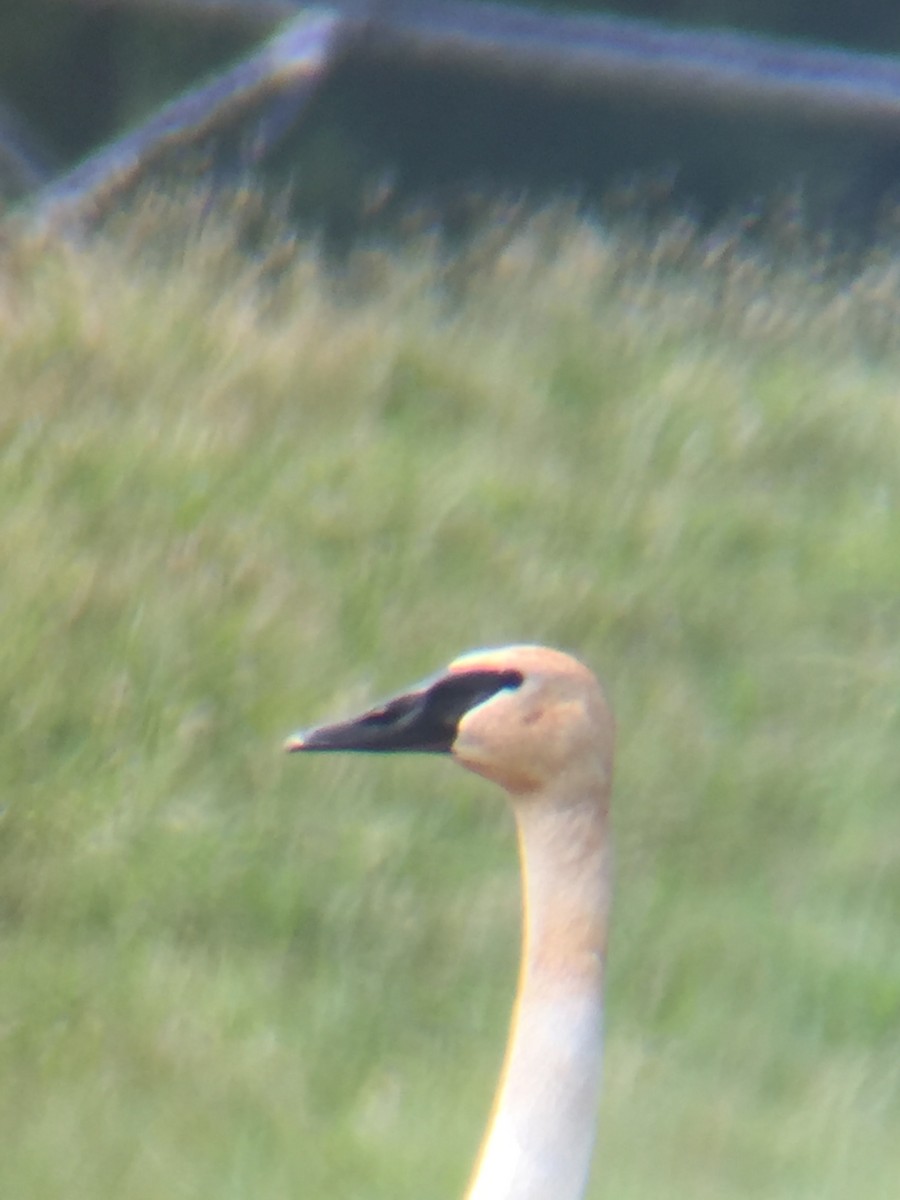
(536, 722)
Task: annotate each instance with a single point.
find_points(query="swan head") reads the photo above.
(526, 717)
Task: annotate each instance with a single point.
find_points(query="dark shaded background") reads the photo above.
(81, 72)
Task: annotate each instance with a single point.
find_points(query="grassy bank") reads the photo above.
(238, 495)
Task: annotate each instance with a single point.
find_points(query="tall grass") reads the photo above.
(240, 492)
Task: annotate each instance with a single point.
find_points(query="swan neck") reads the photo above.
(541, 1134)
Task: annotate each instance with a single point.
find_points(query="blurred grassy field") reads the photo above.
(239, 494)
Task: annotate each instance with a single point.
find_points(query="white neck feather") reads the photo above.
(539, 1142)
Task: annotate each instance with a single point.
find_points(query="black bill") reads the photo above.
(425, 720)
